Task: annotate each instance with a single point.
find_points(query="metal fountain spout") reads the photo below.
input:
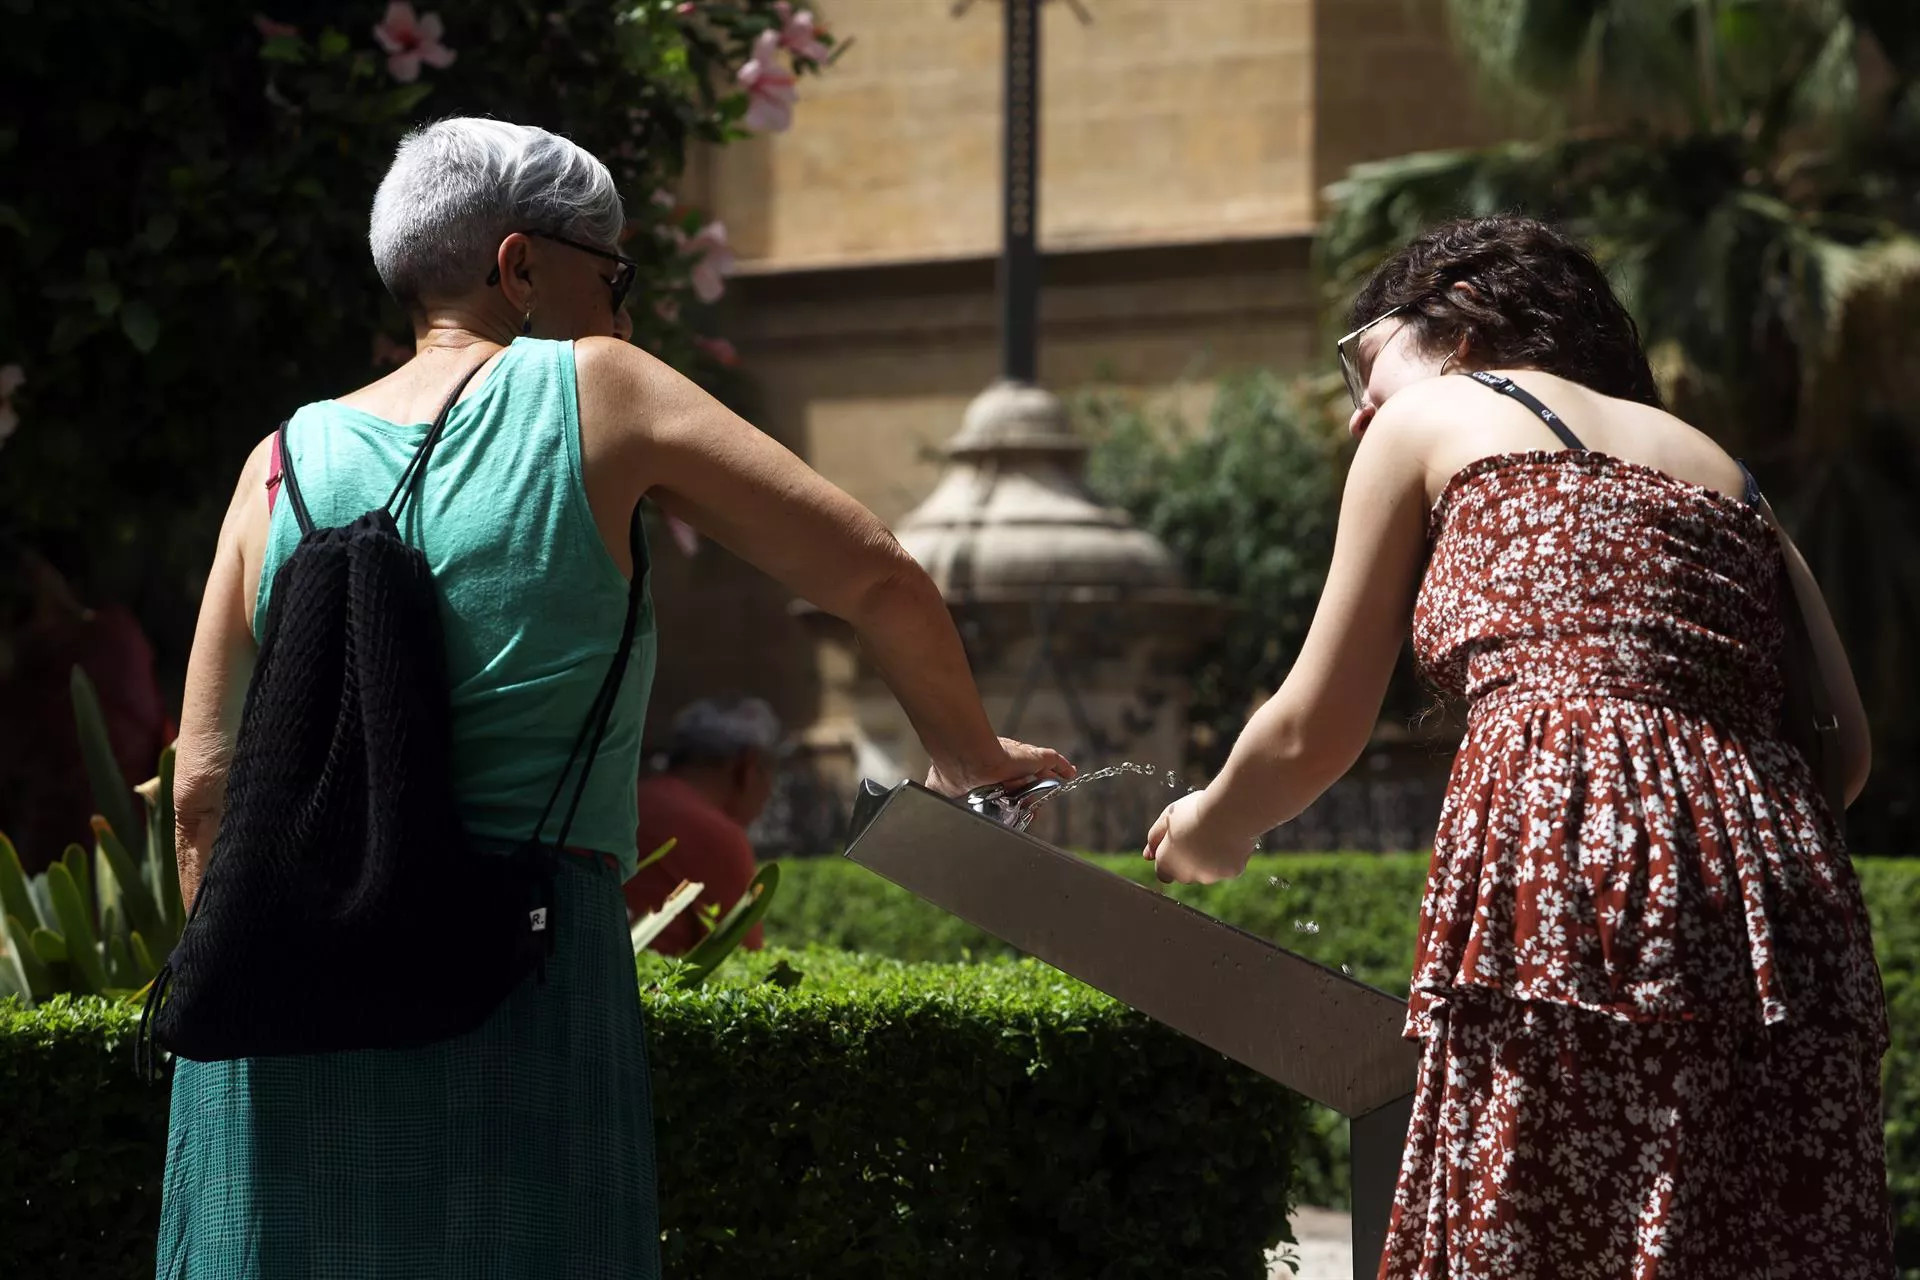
(1011, 804)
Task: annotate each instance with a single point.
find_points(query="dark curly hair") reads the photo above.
(1539, 301)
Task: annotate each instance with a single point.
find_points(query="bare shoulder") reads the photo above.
(1415, 426)
(249, 504)
(617, 366)
(628, 396)
(242, 546)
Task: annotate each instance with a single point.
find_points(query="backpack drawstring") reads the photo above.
(145, 1062)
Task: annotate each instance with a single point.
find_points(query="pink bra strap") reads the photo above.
(273, 474)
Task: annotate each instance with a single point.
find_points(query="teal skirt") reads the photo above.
(521, 1150)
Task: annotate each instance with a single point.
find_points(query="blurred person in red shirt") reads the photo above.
(721, 758)
(45, 631)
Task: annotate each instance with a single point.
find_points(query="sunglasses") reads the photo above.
(1349, 347)
(622, 277)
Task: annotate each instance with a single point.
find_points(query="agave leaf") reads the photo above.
(713, 949)
(111, 794)
(13, 979)
(32, 967)
(80, 867)
(42, 901)
(49, 946)
(120, 971)
(76, 926)
(106, 886)
(658, 854)
(16, 899)
(654, 923)
(142, 912)
(142, 958)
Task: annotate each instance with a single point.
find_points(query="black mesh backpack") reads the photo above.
(344, 907)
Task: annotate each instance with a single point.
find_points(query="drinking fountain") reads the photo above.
(1308, 1027)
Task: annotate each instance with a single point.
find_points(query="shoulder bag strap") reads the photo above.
(281, 468)
(289, 483)
(1812, 724)
(600, 712)
(409, 481)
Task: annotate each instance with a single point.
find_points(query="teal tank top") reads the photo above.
(531, 602)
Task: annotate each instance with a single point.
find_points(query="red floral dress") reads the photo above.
(1650, 1016)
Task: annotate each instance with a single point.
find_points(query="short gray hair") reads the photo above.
(714, 730)
(458, 187)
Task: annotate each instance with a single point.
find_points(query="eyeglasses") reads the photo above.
(622, 278)
(1348, 348)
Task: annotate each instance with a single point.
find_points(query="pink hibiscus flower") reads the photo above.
(770, 87)
(798, 34)
(712, 261)
(684, 535)
(721, 351)
(410, 40)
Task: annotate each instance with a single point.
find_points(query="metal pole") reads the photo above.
(1020, 195)
(1377, 1139)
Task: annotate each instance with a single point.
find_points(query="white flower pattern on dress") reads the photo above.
(1650, 1013)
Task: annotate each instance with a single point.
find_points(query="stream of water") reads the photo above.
(1173, 782)
(1167, 777)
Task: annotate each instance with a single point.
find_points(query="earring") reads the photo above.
(526, 325)
(1449, 360)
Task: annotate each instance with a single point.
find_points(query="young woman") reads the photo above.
(1650, 1018)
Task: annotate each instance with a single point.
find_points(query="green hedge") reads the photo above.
(1352, 909)
(1365, 909)
(873, 1120)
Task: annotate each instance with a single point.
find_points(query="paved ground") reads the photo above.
(1324, 1250)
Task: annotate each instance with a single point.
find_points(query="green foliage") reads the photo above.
(85, 1141)
(1248, 504)
(870, 1119)
(1366, 907)
(1893, 900)
(183, 221)
(730, 930)
(101, 926)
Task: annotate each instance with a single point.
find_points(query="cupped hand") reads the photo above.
(1186, 849)
(1017, 762)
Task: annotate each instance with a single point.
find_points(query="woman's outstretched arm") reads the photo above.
(1311, 731)
(662, 436)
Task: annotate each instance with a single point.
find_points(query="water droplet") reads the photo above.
(1306, 926)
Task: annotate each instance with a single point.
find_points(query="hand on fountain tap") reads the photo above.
(1187, 846)
(1015, 762)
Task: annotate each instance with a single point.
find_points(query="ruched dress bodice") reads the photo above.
(1625, 831)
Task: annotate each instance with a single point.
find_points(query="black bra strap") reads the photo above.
(1752, 486)
(593, 730)
(1508, 387)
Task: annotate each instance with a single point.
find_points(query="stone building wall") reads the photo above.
(1184, 146)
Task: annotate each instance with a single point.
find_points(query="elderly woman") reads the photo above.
(524, 1148)
(1649, 1015)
